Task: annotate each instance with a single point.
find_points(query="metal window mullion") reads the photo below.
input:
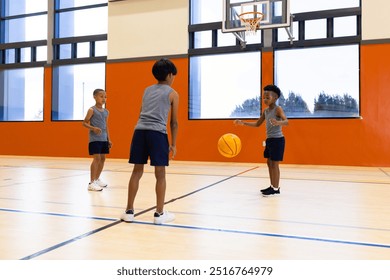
(18, 55)
(329, 27)
(191, 38)
(74, 50)
(301, 30)
(92, 48)
(33, 54)
(214, 38)
(358, 25)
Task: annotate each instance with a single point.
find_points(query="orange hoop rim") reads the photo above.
(257, 19)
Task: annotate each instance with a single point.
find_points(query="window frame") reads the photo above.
(300, 42)
(58, 42)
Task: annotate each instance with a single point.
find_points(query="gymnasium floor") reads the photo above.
(323, 213)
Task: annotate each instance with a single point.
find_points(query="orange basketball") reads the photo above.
(229, 145)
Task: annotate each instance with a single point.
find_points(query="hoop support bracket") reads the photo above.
(290, 31)
(241, 37)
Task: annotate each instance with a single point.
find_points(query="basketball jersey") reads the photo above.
(99, 119)
(155, 108)
(273, 131)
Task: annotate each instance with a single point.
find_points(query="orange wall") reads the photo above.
(361, 142)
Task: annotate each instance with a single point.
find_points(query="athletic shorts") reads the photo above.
(149, 144)
(274, 148)
(98, 147)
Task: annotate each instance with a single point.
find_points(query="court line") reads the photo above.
(188, 213)
(44, 251)
(116, 222)
(387, 174)
(274, 235)
(124, 169)
(387, 246)
(57, 214)
(289, 222)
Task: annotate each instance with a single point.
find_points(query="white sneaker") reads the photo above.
(100, 183)
(128, 216)
(165, 217)
(94, 187)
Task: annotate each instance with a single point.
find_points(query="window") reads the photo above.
(212, 97)
(80, 52)
(23, 52)
(82, 22)
(301, 6)
(317, 70)
(216, 58)
(21, 94)
(319, 82)
(74, 85)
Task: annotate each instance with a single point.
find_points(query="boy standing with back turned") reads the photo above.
(150, 139)
(274, 118)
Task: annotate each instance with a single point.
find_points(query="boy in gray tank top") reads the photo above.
(274, 118)
(150, 139)
(99, 138)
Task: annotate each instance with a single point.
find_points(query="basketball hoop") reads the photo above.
(251, 20)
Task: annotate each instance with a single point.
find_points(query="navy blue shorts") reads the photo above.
(274, 148)
(99, 147)
(149, 144)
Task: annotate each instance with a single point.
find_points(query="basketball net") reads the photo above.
(251, 20)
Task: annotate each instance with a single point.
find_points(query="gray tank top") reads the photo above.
(272, 131)
(155, 108)
(98, 119)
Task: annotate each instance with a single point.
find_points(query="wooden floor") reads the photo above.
(323, 213)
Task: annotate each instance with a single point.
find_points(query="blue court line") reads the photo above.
(387, 246)
(57, 214)
(188, 227)
(342, 242)
(44, 251)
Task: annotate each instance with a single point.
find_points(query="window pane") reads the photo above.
(21, 94)
(42, 53)
(319, 82)
(226, 39)
(203, 11)
(101, 48)
(26, 29)
(300, 6)
(77, 3)
(10, 56)
(73, 88)
(25, 54)
(21, 7)
(345, 26)
(203, 39)
(66, 51)
(315, 29)
(75, 24)
(83, 50)
(225, 86)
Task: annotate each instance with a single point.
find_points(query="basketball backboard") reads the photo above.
(276, 14)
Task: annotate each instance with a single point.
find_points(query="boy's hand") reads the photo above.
(274, 122)
(238, 122)
(173, 150)
(97, 130)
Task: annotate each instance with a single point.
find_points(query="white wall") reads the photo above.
(375, 19)
(142, 28)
